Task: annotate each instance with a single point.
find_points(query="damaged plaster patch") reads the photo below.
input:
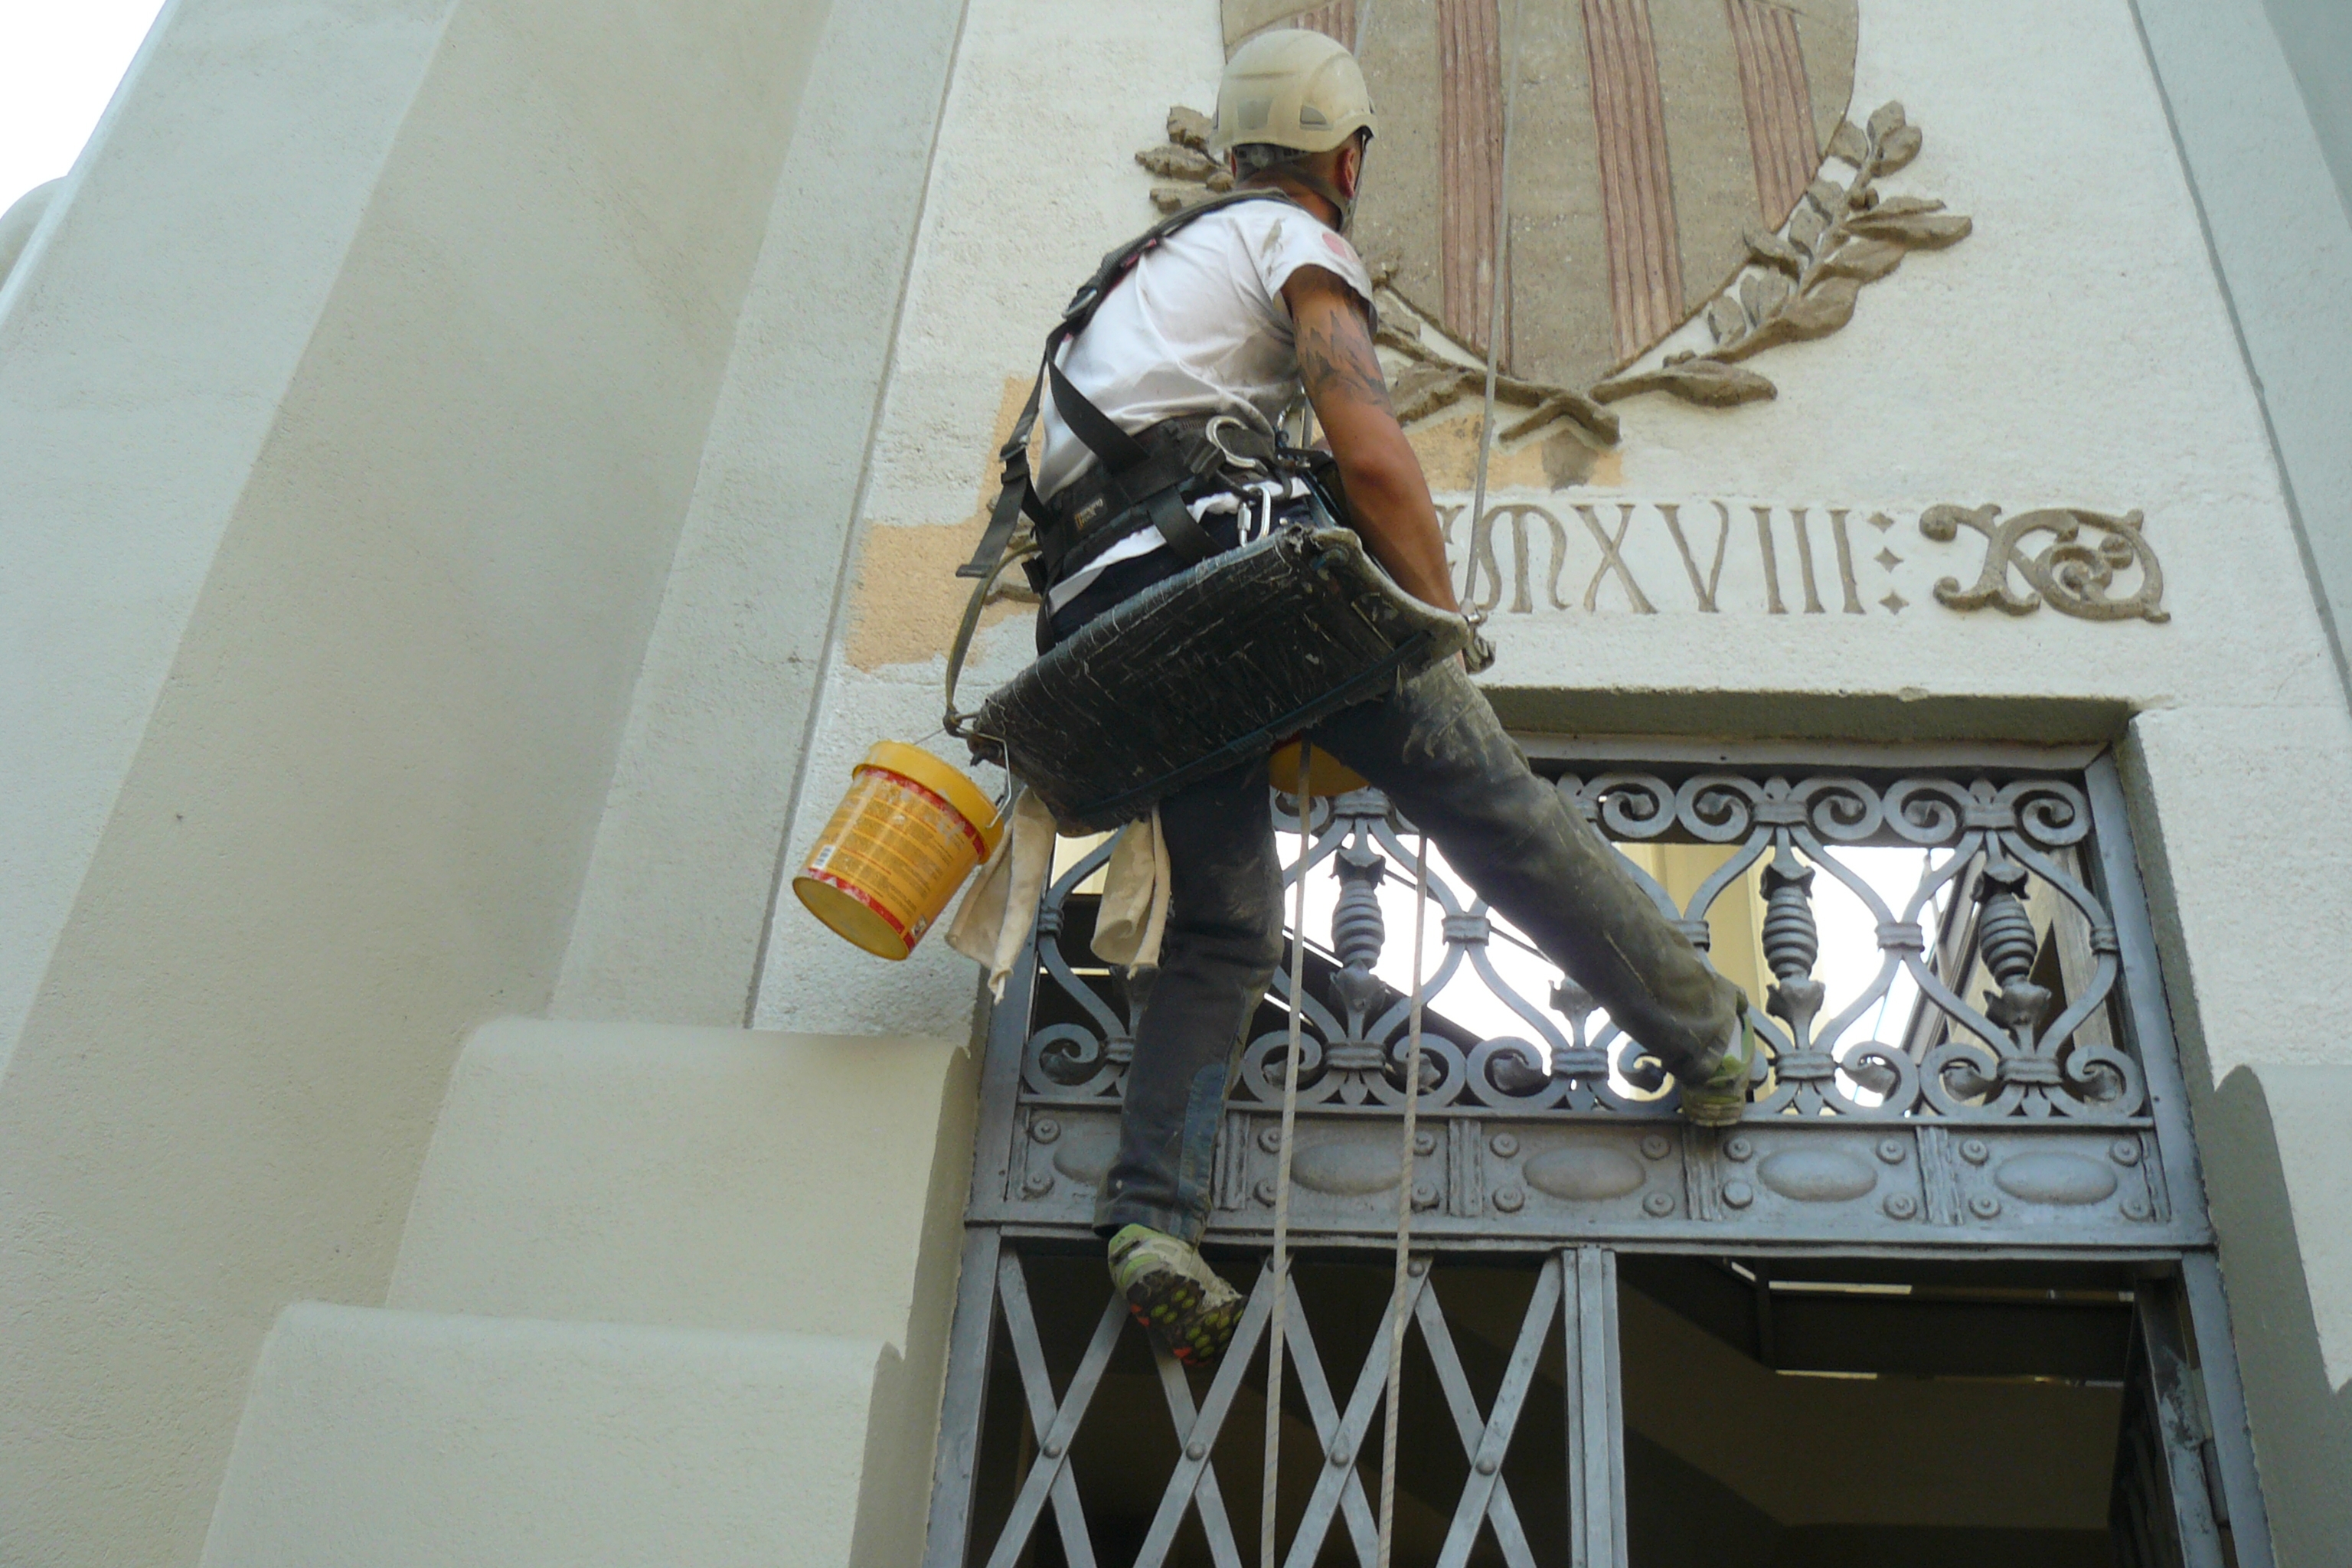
(1554, 458)
(907, 599)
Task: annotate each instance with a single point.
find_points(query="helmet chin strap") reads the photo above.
(1328, 192)
(1309, 179)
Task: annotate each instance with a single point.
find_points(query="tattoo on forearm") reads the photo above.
(1336, 361)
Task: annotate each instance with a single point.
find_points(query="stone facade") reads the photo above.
(475, 483)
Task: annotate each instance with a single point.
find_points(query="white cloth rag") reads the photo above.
(993, 923)
(1134, 913)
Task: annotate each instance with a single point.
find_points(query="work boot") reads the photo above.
(1720, 1099)
(1174, 1294)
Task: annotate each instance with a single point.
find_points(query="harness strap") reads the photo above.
(1118, 450)
(1018, 494)
(1017, 497)
(962, 649)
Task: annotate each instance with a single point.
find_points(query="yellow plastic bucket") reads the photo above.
(902, 841)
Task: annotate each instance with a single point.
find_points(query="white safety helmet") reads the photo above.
(1291, 88)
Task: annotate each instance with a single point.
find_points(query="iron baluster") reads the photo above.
(1358, 935)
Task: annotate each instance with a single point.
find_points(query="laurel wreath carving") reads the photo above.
(1803, 281)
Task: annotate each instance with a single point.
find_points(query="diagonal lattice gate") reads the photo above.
(1565, 1328)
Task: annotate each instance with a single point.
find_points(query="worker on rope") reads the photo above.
(1164, 412)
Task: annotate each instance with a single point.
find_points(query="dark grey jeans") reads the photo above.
(1436, 749)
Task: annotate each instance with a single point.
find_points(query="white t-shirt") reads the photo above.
(1198, 326)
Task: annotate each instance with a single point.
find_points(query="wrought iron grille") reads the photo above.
(1993, 1064)
(1970, 1060)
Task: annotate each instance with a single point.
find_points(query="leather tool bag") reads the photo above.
(1206, 670)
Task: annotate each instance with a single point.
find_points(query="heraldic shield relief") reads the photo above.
(1648, 137)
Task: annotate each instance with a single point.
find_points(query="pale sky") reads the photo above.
(59, 62)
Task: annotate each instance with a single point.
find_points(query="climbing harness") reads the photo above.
(1239, 651)
(1142, 475)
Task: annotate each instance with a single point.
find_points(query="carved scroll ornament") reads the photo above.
(2073, 574)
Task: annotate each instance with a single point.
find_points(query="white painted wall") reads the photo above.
(674, 911)
(344, 501)
(379, 1438)
(1006, 235)
(355, 397)
(147, 337)
(2316, 37)
(2280, 241)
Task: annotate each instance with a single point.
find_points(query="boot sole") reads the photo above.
(1176, 1313)
(1727, 1115)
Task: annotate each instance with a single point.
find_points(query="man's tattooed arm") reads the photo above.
(1336, 360)
(1388, 498)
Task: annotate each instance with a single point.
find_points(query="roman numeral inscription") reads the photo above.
(1744, 557)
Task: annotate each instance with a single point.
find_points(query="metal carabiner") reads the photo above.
(1209, 434)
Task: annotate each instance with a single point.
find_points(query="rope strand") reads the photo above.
(1500, 288)
(1404, 1212)
(1282, 1169)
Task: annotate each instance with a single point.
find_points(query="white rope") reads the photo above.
(1496, 292)
(1404, 1212)
(1498, 280)
(1390, 1423)
(1282, 1169)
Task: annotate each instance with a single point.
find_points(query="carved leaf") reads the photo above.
(1189, 128)
(1773, 251)
(1917, 231)
(1177, 162)
(1901, 146)
(1865, 260)
(1805, 229)
(1821, 309)
(1725, 318)
(1709, 383)
(1574, 406)
(1423, 389)
(1902, 206)
(1827, 195)
(1763, 293)
(1176, 198)
(1888, 117)
(1849, 143)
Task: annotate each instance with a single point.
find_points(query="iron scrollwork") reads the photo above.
(2000, 1028)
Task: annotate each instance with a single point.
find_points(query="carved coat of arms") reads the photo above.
(1667, 157)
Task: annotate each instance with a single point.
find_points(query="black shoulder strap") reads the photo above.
(1089, 424)
(1118, 450)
